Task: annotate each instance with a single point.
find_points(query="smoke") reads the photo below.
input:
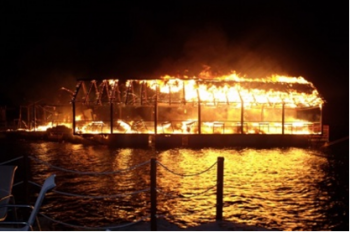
(152, 52)
(252, 55)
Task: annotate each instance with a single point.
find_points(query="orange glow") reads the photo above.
(262, 100)
(257, 175)
(231, 88)
(78, 118)
(225, 102)
(43, 128)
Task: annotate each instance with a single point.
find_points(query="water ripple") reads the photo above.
(284, 189)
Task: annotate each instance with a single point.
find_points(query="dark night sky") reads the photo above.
(47, 45)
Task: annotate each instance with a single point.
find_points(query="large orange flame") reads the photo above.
(232, 91)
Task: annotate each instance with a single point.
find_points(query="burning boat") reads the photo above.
(225, 110)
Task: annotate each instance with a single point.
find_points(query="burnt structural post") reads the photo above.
(199, 113)
(219, 188)
(77, 88)
(242, 112)
(29, 118)
(142, 93)
(183, 93)
(153, 194)
(321, 120)
(34, 116)
(111, 102)
(73, 119)
(156, 111)
(169, 94)
(112, 115)
(283, 106)
(242, 116)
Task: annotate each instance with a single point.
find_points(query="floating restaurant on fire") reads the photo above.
(217, 111)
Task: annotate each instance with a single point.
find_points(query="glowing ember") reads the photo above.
(78, 118)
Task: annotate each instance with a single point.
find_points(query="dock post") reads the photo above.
(153, 194)
(219, 188)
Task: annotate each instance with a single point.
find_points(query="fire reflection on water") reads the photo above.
(273, 188)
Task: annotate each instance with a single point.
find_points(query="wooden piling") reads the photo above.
(219, 188)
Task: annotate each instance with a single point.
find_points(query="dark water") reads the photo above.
(284, 189)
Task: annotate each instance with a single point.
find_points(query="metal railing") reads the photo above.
(153, 189)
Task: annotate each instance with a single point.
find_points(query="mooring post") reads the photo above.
(153, 194)
(219, 188)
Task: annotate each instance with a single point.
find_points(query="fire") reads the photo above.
(232, 88)
(125, 126)
(203, 104)
(78, 118)
(47, 126)
(43, 127)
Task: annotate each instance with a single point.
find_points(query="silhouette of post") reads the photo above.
(153, 194)
(219, 188)
(111, 115)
